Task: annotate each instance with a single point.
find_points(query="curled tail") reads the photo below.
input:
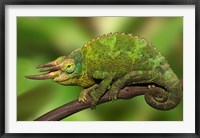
(168, 96)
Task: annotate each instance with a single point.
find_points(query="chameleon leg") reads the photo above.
(136, 77)
(84, 93)
(103, 86)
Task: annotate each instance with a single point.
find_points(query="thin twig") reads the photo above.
(74, 106)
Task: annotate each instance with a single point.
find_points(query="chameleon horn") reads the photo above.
(50, 68)
(52, 63)
(46, 65)
(44, 76)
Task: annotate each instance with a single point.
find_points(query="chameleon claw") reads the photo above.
(82, 98)
(115, 97)
(151, 86)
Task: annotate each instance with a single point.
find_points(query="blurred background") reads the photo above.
(42, 39)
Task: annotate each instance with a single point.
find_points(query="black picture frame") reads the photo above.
(3, 3)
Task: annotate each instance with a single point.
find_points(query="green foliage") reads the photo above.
(42, 39)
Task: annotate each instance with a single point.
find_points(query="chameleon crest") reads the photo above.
(111, 62)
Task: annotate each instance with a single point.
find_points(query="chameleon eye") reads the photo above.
(69, 66)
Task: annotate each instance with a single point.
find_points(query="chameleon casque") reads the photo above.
(111, 62)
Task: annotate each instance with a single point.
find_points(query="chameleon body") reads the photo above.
(113, 61)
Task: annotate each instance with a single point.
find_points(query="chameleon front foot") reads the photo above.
(84, 93)
(83, 96)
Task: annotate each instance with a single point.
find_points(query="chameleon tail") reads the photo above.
(168, 97)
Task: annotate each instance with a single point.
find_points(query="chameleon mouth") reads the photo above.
(52, 68)
(62, 77)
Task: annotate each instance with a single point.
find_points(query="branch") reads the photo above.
(74, 106)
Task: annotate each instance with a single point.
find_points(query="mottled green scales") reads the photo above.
(113, 61)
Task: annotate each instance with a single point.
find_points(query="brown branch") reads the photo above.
(74, 106)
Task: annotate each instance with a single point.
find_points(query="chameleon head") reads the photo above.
(62, 70)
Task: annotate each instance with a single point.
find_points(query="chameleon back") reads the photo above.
(120, 53)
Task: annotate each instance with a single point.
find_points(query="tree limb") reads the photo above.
(74, 106)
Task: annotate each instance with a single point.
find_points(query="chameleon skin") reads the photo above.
(113, 61)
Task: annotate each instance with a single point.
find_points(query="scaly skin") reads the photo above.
(113, 61)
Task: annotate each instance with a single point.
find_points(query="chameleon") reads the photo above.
(112, 61)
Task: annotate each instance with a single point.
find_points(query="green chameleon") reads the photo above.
(111, 62)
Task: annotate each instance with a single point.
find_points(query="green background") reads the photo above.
(43, 39)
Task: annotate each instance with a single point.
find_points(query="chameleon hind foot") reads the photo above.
(113, 94)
